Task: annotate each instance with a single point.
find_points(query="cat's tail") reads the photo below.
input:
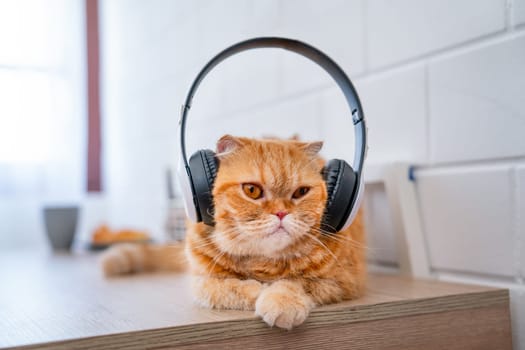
(130, 258)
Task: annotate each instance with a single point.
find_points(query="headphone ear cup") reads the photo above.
(203, 167)
(341, 185)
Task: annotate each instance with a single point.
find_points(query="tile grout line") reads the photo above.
(516, 204)
(428, 151)
(489, 162)
(450, 50)
(514, 222)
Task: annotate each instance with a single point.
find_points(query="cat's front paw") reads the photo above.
(226, 293)
(283, 308)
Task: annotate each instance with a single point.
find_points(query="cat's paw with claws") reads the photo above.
(279, 306)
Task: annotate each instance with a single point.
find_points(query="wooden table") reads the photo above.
(64, 302)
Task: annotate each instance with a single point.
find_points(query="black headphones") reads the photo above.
(344, 184)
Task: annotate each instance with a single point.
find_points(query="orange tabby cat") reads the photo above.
(266, 252)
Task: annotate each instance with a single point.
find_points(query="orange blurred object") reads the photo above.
(104, 235)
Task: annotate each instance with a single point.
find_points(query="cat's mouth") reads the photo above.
(280, 230)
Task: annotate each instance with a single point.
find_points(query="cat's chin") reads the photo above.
(263, 244)
(275, 244)
(278, 232)
(269, 245)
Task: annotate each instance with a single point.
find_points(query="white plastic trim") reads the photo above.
(357, 204)
(187, 194)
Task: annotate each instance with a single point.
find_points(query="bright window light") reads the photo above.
(42, 96)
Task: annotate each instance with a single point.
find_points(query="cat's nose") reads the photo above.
(281, 214)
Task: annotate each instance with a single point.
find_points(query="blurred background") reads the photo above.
(90, 95)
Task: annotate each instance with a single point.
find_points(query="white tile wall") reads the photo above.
(467, 217)
(520, 213)
(397, 125)
(394, 105)
(519, 12)
(337, 129)
(244, 80)
(240, 85)
(333, 26)
(300, 116)
(299, 75)
(224, 22)
(476, 97)
(403, 29)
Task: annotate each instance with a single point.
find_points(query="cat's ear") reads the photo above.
(312, 148)
(295, 137)
(228, 144)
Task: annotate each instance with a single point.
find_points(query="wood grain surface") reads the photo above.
(64, 302)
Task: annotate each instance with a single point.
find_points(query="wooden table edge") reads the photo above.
(250, 326)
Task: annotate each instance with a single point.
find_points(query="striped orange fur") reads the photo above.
(251, 259)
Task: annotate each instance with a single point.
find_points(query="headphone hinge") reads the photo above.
(356, 117)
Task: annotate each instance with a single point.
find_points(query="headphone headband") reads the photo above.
(302, 49)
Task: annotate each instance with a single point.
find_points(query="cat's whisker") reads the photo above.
(340, 238)
(328, 225)
(325, 247)
(216, 259)
(204, 245)
(329, 234)
(212, 240)
(324, 232)
(335, 236)
(318, 241)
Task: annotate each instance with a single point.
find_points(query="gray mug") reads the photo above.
(61, 225)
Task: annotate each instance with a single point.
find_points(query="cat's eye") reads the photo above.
(300, 192)
(252, 190)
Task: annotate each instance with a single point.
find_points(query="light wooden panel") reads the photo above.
(470, 329)
(63, 302)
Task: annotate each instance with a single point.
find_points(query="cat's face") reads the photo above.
(269, 196)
